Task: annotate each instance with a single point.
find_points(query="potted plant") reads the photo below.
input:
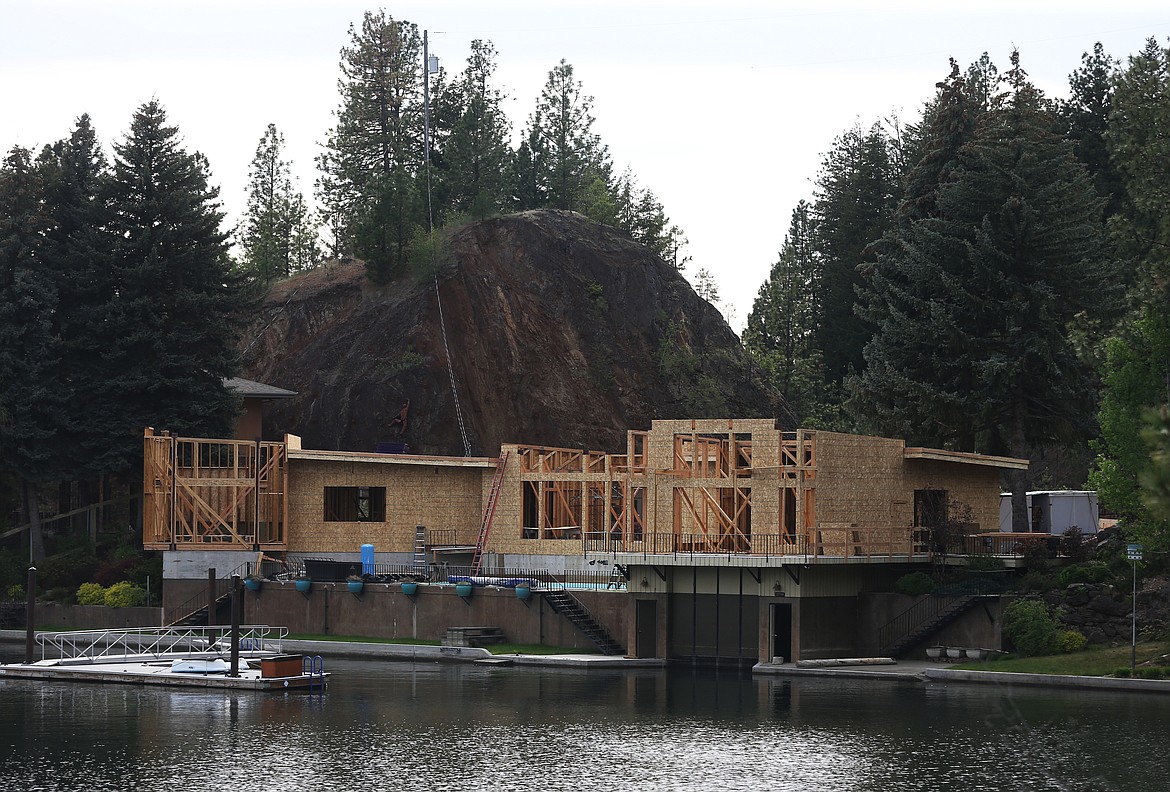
(935, 652)
(355, 584)
(523, 590)
(955, 652)
(303, 583)
(410, 588)
(253, 581)
(463, 589)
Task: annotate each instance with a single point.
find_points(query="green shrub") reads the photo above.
(1151, 672)
(124, 595)
(15, 592)
(1030, 628)
(1071, 641)
(1036, 581)
(1092, 572)
(1121, 673)
(91, 594)
(915, 584)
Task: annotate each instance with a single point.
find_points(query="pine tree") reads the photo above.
(571, 165)
(1084, 120)
(77, 248)
(169, 328)
(369, 187)
(639, 212)
(976, 308)
(1136, 371)
(854, 207)
(32, 402)
(781, 327)
(276, 236)
(476, 154)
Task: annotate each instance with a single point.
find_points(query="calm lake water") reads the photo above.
(403, 726)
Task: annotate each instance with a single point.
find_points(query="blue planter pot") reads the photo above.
(463, 589)
(252, 584)
(355, 586)
(410, 589)
(523, 592)
(304, 585)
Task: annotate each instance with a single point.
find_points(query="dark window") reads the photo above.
(355, 504)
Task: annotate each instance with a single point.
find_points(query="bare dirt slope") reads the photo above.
(561, 332)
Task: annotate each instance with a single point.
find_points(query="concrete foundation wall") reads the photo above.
(383, 611)
(94, 617)
(828, 627)
(978, 627)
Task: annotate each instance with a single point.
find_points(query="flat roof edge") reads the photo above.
(965, 458)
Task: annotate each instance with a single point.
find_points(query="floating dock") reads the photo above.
(168, 656)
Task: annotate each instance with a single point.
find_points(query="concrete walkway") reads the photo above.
(465, 654)
(432, 654)
(925, 671)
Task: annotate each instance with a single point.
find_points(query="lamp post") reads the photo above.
(1134, 553)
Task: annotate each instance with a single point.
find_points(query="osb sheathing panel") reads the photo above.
(865, 481)
(434, 496)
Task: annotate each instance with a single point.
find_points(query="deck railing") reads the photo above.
(601, 574)
(826, 541)
(95, 645)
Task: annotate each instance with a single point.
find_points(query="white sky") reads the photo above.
(723, 109)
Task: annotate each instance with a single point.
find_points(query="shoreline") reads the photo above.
(910, 671)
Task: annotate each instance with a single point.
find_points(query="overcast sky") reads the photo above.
(723, 109)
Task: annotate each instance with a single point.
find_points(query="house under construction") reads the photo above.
(733, 540)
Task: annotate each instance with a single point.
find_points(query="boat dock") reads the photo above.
(182, 657)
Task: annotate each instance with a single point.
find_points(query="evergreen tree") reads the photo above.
(1084, 120)
(1139, 148)
(639, 212)
(1136, 372)
(169, 328)
(854, 207)
(781, 328)
(571, 166)
(368, 186)
(276, 236)
(32, 402)
(77, 248)
(476, 154)
(975, 308)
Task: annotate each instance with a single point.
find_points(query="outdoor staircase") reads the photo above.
(570, 607)
(489, 511)
(198, 617)
(931, 614)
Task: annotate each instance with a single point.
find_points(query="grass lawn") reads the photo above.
(360, 639)
(1094, 661)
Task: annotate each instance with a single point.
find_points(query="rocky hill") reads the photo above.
(561, 332)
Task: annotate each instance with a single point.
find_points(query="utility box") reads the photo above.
(1054, 511)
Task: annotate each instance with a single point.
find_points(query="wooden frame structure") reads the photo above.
(742, 487)
(696, 483)
(213, 493)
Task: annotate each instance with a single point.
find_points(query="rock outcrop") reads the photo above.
(560, 331)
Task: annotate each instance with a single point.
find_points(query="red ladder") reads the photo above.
(489, 511)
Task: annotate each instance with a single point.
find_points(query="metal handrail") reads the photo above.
(198, 601)
(156, 641)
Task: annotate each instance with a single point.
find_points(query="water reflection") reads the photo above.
(438, 726)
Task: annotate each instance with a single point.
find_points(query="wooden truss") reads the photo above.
(702, 502)
(213, 494)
